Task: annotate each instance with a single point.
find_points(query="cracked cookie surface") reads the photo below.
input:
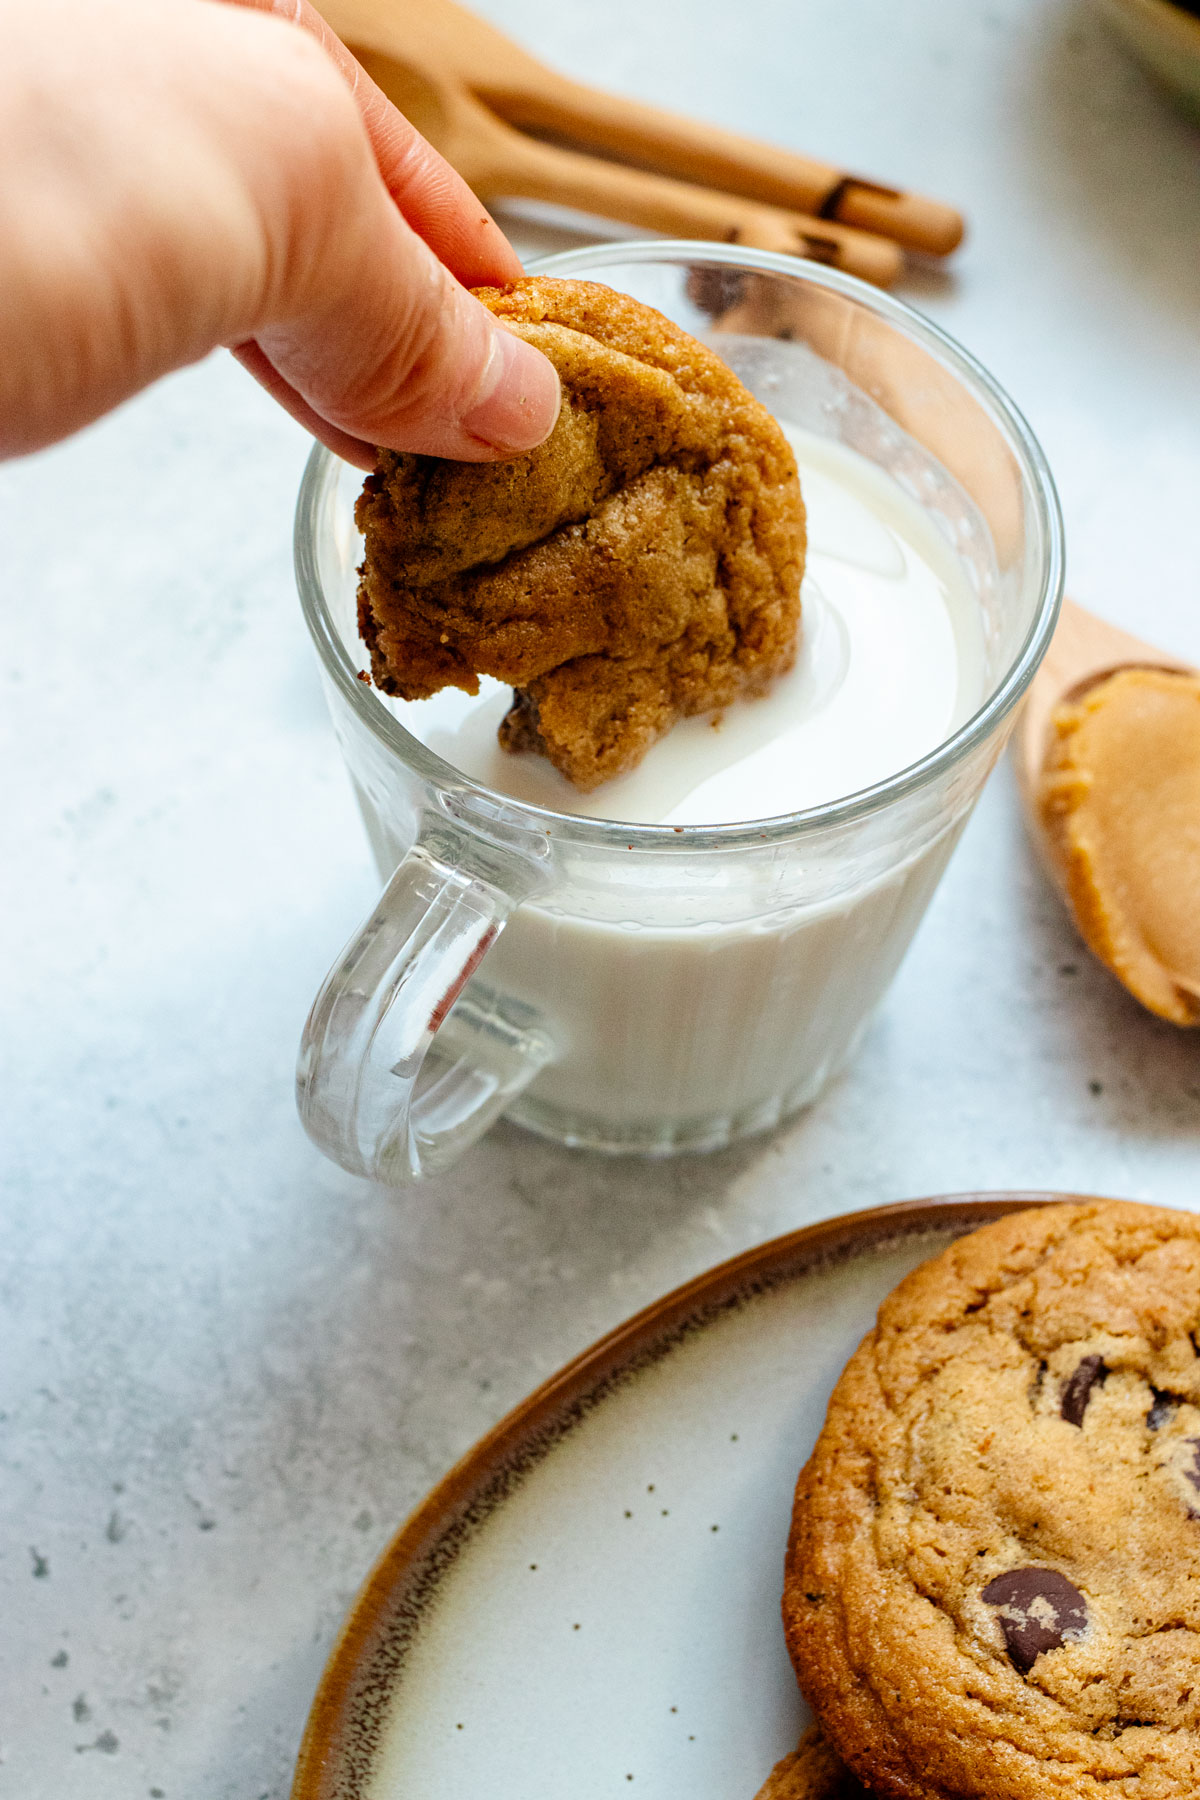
(642, 565)
(993, 1577)
(812, 1772)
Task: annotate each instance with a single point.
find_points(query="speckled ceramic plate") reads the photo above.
(588, 1605)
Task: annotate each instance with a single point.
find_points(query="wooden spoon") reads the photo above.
(1083, 650)
(441, 35)
(501, 163)
(522, 90)
(1109, 776)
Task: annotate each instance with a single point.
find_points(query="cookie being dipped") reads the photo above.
(641, 566)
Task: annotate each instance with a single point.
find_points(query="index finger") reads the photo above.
(433, 197)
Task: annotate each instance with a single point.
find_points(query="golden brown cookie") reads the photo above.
(642, 565)
(993, 1579)
(811, 1772)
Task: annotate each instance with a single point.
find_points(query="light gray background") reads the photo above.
(226, 1369)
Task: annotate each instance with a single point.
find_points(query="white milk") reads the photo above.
(673, 1029)
(890, 663)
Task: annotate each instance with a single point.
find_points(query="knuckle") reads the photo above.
(433, 366)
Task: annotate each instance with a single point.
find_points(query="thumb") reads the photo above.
(383, 344)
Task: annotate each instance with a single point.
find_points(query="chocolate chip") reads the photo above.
(1192, 1474)
(1039, 1610)
(1078, 1390)
(1186, 1462)
(1161, 1409)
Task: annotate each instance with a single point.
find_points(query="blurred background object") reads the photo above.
(1165, 36)
(511, 126)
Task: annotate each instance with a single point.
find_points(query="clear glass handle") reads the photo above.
(397, 1074)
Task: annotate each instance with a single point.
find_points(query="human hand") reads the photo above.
(179, 174)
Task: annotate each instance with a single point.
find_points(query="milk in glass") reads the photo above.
(687, 1028)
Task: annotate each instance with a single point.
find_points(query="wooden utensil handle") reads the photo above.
(723, 159)
(533, 171)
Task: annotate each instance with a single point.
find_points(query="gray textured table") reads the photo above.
(227, 1370)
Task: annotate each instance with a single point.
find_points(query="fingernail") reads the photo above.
(517, 402)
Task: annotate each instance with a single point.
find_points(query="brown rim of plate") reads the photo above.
(344, 1724)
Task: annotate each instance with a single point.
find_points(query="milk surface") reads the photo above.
(691, 1002)
(890, 664)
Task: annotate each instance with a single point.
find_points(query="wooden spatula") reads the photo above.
(516, 87)
(501, 163)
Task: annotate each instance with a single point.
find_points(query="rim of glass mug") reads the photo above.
(1007, 692)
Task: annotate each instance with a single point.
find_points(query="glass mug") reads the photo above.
(658, 988)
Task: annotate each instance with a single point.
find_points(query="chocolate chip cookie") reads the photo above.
(811, 1772)
(642, 565)
(993, 1578)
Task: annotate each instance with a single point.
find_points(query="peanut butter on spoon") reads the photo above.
(1110, 764)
